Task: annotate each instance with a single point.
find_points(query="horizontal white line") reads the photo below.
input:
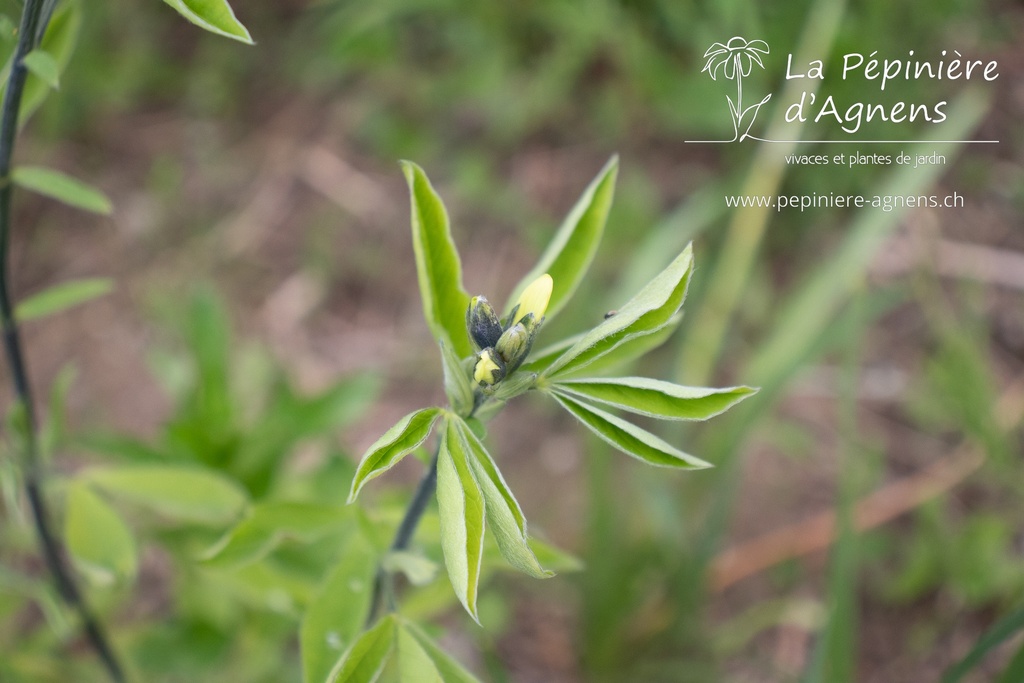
(850, 142)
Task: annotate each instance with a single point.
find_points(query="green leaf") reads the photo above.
(418, 569)
(62, 296)
(655, 398)
(450, 670)
(397, 442)
(647, 312)
(456, 381)
(61, 187)
(414, 664)
(630, 349)
(365, 660)
(627, 437)
(268, 525)
(504, 516)
(216, 16)
(1006, 627)
(336, 614)
(437, 264)
(572, 249)
(42, 64)
(461, 512)
(185, 492)
(99, 541)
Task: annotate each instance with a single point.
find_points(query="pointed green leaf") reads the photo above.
(186, 492)
(437, 264)
(215, 16)
(414, 664)
(61, 187)
(461, 512)
(99, 541)
(42, 64)
(268, 524)
(450, 670)
(627, 437)
(456, 381)
(62, 296)
(629, 350)
(504, 516)
(397, 442)
(365, 660)
(336, 614)
(653, 307)
(572, 249)
(655, 398)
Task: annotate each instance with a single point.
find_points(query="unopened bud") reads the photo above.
(513, 344)
(534, 299)
(483, 323)
(489, 369)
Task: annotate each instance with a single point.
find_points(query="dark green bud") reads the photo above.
(483, 323)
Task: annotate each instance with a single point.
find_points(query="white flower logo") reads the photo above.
(735, 59)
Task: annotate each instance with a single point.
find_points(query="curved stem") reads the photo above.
(417, 506)
(29, 32)
(383, 590)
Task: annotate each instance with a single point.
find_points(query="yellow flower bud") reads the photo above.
(534, 299)
(489, 368)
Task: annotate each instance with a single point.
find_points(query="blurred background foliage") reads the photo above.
(889, 345)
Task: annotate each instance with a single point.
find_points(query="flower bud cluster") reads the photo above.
(504, 345)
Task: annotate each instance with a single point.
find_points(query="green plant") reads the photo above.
(487, 362)
(45, 37)
(217, 588)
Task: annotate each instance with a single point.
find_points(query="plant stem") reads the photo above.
(28, 33)
(416, 508)
(382, 590)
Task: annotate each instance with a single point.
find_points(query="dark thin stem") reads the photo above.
(28, 35)
(382, 589)
(417, 506)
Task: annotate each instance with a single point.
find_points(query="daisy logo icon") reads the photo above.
(735, 60)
